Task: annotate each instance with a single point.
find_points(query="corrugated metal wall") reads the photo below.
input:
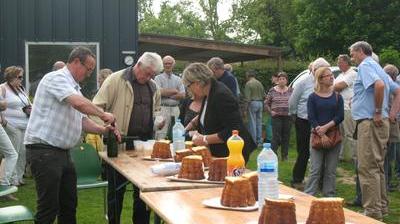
(112, 23)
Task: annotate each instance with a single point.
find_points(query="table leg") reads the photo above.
(112, 190)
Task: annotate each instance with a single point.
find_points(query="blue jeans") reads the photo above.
(255, 120)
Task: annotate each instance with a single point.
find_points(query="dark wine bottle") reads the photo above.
(112, 145)
(171, 125)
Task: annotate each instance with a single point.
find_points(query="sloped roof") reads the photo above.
(194, 49)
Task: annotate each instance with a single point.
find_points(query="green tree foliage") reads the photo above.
(331, 26)
(390, 56)
(267, 22)
(173, 20)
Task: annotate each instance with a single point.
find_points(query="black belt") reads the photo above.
(166, 105)
(44, 146)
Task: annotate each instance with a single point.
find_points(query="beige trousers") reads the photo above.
(349, 145)
(371, 150)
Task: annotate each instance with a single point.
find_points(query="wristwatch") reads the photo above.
(205, 139)
(378, 110)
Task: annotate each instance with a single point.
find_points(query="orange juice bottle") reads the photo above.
(235, 162)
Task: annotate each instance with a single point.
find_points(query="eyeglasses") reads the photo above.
(90, 70)
(188, 85)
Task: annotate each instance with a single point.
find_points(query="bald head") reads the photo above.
(58, 65)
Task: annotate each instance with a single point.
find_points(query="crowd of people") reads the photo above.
(359, 106)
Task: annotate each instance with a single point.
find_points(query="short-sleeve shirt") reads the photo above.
(347, 93)
(363, 102)
(53, 121)
(165, 81)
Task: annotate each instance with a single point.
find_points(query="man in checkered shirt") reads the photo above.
(55, 126)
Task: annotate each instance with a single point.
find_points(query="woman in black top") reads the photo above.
(219, 113)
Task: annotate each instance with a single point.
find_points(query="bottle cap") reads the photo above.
(235, 132)
(267, 145)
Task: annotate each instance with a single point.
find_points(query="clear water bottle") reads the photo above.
(178, 136)
(267, 167)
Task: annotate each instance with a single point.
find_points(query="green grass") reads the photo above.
(90, 205)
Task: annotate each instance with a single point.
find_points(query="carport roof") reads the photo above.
(194, 49)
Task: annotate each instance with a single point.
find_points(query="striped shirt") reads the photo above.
(53, 121)
(278, 102)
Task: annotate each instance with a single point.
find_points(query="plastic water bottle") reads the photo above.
(267, 167)
(178, 136)
(166, 169)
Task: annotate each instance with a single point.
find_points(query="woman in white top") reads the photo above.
(16, 116)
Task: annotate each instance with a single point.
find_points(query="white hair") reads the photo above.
(318, 63)
(153, 60)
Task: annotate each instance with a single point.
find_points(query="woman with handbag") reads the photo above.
(16, 116)
(325, 113)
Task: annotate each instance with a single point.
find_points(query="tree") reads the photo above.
(174, 20)
(217, 28)
(331, 26)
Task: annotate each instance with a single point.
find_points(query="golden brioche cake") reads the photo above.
(326, 211)
(182, 153)
(253, 177)
(276, 211)
(237, 192)
(217, 169)
(161, 149)
(188, 144)
(192, 168)
(205, 153)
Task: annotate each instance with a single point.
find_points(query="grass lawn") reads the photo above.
(90, 205)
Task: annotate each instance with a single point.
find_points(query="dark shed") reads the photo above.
(109, 27)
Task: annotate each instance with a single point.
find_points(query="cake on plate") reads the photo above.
(253, 177)
(276, 211)
(192, 168)
(237, 192)
(161, 149)
(180, 154)
(326, 211)
(217, 169)
(205, 153)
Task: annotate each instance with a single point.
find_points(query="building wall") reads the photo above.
(112, 23)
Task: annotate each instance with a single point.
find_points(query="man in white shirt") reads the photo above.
(344, 85)
(57, 120)
(172, 91)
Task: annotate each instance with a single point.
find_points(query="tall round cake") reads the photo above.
(161, 149)
(217, 169)
(277, 211)
(253, 177)
(326, 211)
(205, 153)
(237, 192)
(192, 168)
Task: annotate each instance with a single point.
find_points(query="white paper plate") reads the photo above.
(216, 203)
(203, 181)
(148, 158)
